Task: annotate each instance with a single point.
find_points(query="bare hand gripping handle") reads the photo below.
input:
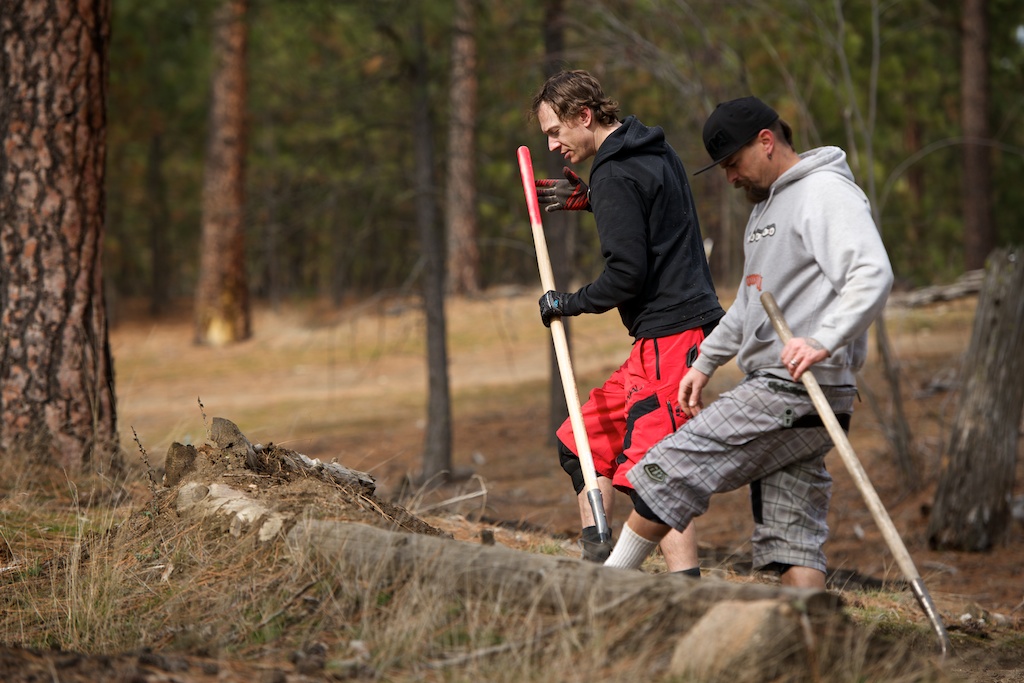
(860, 478)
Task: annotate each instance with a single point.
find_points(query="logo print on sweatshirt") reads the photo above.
(655, 472)
(754, 281)
(762, 233)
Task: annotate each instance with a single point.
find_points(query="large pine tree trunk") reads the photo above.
(56, 379)
(979, 229)
(222, 294)
(463, 251)
(972, 504)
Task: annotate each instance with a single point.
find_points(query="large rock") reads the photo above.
(746, 642)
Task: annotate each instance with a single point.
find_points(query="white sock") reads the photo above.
(630, 550)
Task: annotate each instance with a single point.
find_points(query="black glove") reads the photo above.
(571, 194)
(553, 305)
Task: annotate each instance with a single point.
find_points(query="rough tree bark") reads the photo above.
(222, 313)
(544, 581)
(972, 504)
(56, 377)
(463, 252)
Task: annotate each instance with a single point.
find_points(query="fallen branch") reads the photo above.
(966, 285)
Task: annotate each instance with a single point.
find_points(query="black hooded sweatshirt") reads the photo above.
(655, 270)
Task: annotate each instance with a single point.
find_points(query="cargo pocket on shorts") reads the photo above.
(636, 411)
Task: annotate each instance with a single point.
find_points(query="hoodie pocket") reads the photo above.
(765, 331)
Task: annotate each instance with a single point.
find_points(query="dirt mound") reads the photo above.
(270, 487)
(225, 500)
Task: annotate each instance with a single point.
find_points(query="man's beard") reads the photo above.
(754, 194)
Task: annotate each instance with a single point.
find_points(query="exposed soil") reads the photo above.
(349, 387)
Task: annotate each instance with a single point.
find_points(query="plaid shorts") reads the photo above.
(765, 432)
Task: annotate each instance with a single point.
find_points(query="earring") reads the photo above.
(769, 156)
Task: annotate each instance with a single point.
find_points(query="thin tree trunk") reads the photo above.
(338, 276)
(559, 227)
(728, 245)
(915, 179)
(222, 294)
(159, 220)
(56, 377)
(979, 229)
(972, 503)
(270, 280)
(897, 429)
(463, 251)
(437, 448)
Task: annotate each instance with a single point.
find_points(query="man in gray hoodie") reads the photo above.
(811, 242)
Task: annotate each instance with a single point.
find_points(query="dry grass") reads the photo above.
(110, 579)
(149, 581)
(96, 572)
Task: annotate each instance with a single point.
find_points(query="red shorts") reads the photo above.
(637, 406)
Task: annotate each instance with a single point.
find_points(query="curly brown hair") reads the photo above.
(569, 92)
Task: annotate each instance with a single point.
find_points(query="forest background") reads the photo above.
(356, 151)
(330, 173)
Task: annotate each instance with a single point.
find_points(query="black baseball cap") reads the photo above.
(733, 124)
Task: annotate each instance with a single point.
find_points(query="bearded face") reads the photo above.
(754, 193)
(746, 170)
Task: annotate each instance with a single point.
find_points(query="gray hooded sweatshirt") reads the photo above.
(813, 244)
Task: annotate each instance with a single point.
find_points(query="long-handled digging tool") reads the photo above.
(572, 399)
(860, 478)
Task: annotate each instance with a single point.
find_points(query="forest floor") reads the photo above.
(349, 385)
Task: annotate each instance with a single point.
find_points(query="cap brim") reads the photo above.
(712, 165)
(738, 148)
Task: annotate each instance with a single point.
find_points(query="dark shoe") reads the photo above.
(594, 549)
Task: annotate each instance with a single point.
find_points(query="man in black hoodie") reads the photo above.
(655, 274)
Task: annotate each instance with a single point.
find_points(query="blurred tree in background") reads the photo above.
(330, 209)
(460, 201)
(222, 311)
